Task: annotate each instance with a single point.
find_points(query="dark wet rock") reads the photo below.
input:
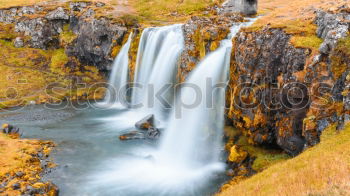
(10, 129)
(16, 186)
(293, 145)
(58, 14)
(146, 123)
(153, 133)
(95, 39)
(134, 135)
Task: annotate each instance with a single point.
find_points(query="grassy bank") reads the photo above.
(20, 164)
(321, 170)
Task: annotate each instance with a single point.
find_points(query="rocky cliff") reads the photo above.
(285, 95)
(77, 27)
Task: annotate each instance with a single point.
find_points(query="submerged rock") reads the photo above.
(133, 135)
(151, 133)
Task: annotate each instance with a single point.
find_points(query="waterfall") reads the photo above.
(119, 76)
(193, 135)
(157, 59)
(187, 158)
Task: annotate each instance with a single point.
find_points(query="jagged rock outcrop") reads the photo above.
(202, 35)
(264, 68)
(331, 27)
(95, 36)
(281, 97)
(95, 39)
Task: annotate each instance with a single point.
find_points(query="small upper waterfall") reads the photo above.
(157, 58)
(119, 76)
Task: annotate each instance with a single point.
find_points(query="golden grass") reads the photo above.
(319, 170)
(295, 17)
(169, 10)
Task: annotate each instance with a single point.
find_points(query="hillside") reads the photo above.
(320, 170)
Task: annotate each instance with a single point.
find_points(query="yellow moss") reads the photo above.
(58, 61)
(312, 42)
(340, 57)
(237, 155)
(67, 36)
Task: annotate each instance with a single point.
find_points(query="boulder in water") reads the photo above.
(10, 130)
(146, 123)
(153, 133)
(132, 136)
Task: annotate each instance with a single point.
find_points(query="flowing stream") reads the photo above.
(187, 160)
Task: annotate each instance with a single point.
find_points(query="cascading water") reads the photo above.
(119, 76)
(188, 156)
(156, 65)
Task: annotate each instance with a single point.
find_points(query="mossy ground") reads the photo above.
(26, 72)
(320, 170)
(20, 156)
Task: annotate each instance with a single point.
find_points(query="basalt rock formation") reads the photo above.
(283, 95)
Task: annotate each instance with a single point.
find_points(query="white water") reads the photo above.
(119, 77)
(188, 156)
(156, 65)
